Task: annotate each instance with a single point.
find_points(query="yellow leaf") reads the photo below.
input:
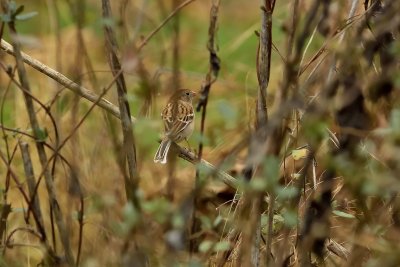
(295, 175)
(299, 153)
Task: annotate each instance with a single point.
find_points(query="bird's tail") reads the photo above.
(162, 151)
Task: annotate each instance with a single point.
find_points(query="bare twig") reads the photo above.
(40, 147)
(81, 224)
(60, 78)
(352, 11)
(176, 48)
(264, 62)
(5, 138)
(132, 180)
(250, 246)
(30, 179)
(104, 104)
(159, 27)
(5, 210)
(211, 76)
(52, 256)
(78, 11)
(213, 70)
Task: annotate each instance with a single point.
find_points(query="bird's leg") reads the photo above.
(189, 148)
(187, 142)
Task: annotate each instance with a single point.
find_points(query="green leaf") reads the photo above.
(264, 220)
(18, 11)
(278, 223)
(286, 192)
(271, 170)
(41, 134)
(178, 221)
(299, 153)
(205, 246)
(315, 129)
(343, 214)
(26, 16)
(258, 184)
(222, 246)
(159, 208)
(206, 222)
(295, 175)
(290, 218)
(131, 215)
(217, 221)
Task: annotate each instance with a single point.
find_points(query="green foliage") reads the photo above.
(208, 245)
(315, 129)
(278, 223)
(131, 217)
(343, 214)
(14, 13)
(221, 246)
(205, 246)
(159, 209)
(287, 192)
(290, 218)
(41, 134)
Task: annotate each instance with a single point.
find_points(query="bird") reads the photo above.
(178, 117)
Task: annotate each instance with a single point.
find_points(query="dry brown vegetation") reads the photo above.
(294, 161)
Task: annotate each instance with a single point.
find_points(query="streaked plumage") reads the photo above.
(178, 117)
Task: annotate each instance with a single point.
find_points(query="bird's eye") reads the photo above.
(187, 93)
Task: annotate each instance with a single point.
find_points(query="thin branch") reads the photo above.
(131, 183)
(352, 11)
(211, 76)
(176, 54)
(63, 80)
(159, 27)
(107, 106)
(40, 147)
(251, 208)
(30, 179)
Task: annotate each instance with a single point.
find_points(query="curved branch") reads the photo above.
(109, 107)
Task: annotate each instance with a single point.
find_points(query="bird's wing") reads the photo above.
(183, 117)
(167, 117)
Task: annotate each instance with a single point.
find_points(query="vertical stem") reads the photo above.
(62, 229)
(132, 179)
(271, 206)
(176, 47)
(211, 76)
(252, 229)
(264, 61)
(30, 180)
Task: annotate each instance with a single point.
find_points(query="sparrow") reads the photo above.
(178, 117)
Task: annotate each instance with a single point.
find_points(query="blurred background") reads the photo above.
(68, 36)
